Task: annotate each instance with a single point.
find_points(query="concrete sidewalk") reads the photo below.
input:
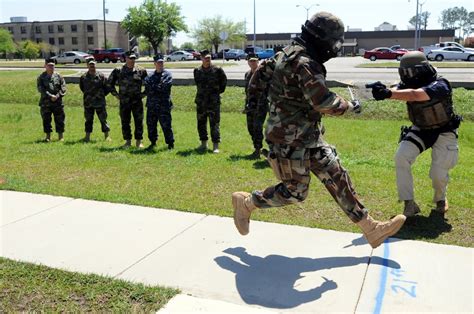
(276, 268)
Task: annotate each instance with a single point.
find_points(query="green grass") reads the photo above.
(186, 180)
(396, 64)
(26, 287)
(145, 64)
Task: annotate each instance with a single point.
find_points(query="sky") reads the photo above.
(272, 16)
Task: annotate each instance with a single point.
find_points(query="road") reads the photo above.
(339, 69)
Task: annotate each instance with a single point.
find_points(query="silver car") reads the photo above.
(179, 56)
(451, 53)
(75, 57)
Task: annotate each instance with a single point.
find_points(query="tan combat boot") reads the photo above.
(215, 148)
(442, 206)
(377, 231)
(243, 206)
(139, 144)
(107, 137)
(203, 146)
(61, 137)
(411, 208)
(47, 139)
(87, 138)
(127, 144)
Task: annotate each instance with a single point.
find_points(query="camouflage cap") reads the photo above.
(90, 60)
(325, 25)
(130, 54)
(252, 56)
(49, 61)
(205, 53)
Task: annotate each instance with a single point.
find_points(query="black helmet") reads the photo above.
(415, 70)
(324, 34)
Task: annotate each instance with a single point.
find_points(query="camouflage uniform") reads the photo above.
(49, 86)
(298, 97)
(159, 105)
(210, 83)
(130, 94)
(256, 114)
(94, 87)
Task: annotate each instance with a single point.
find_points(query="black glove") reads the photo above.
(381, 93)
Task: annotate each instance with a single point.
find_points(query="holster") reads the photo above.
(403, 132)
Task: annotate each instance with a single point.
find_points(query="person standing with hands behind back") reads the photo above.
(52, 88)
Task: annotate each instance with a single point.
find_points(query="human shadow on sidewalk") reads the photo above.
(270, 281)
(419, 227)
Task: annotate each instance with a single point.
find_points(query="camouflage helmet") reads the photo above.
(415, 70)
(327, 28)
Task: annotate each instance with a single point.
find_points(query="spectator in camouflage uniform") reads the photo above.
(256, 111)
(158, 103)
(298, 97)
(129, 79)
(94, 86)
(52, 88)
(210, 82)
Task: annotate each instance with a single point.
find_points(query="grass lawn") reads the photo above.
(145, 64)
(31, 288)
(186, 180)
(396, 64)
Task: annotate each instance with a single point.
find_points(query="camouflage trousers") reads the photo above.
(255, 121)
(101, 114)
(293, 166)
(214, 115)
(162, 115)
(48, 112)
(127, 108)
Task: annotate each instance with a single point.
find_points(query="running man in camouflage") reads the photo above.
(298, 97)
(52, 87)
(93, 85)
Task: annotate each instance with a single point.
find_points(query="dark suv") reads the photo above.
(119, 53)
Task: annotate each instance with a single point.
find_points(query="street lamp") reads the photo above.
(307, 8)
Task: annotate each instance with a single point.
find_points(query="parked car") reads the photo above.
(252, 49)
(235, 54)
(427, 49)
(180, 55)
(220, 54)
(119, 53)
(383, 53)
(71, 57)
(195, 54)
(102, 55)
(265, 54)
(451, 53)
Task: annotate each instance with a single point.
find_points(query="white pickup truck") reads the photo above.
(427, 49)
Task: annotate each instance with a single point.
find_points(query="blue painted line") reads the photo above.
(383, 279)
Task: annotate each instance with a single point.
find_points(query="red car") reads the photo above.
(384, 53)
(101, 55)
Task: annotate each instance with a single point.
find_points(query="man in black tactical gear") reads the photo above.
(434, 125)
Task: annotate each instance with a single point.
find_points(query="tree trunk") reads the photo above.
(216, 46)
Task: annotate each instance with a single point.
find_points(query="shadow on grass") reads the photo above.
(80, 141)
(148, 151)
(419, 227)
(270, 281)
(112, 149)
(193, 151)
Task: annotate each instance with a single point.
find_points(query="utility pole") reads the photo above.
(105, 31)
(417, 22)
(254, 25)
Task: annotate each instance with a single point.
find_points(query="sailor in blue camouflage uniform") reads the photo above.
(52, 87)
(158, 103)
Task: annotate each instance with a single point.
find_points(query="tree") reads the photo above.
(207, 32)
(6, 42)
(423, 20)
(456, 18)
(155, 20)
(186, 45)
(28, 49)
(144, 45)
